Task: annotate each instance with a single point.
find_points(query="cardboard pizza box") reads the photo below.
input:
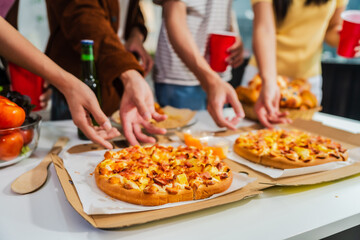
(127, 219)
(347, 139)
(262, 182)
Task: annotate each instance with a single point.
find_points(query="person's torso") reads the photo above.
(299, 38)
(203, 18)
(59, 48)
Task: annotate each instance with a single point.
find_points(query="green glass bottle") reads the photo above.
(88, 75)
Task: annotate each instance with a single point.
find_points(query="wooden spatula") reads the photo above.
(36, 177)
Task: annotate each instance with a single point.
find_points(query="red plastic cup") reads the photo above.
(219, 42)
(26, 83)
(350, 33)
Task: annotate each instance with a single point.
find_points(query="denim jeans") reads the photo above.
(192, 97)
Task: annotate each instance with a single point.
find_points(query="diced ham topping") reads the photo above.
(128, 186)
(224, 175)
(155, 168)
(219, 166)
(159, 181)
(206, 175)
(335, 155)
(188, 164)
(321, 155)
(150, 189)
(171, 190)
(209, 182)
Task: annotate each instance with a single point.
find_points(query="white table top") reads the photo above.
(279, 213)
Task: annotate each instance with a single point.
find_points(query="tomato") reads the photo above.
(10, 145)
(11, 115)
(27, 135)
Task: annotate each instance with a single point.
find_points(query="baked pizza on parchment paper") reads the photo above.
(163, 176)
(157, 175)
(285, 149)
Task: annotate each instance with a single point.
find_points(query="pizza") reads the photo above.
(288, 148)
(156, 175)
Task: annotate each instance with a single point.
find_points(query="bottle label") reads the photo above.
(87, 57)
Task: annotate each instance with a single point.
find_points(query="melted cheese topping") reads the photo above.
(294, 145)
(160, 168)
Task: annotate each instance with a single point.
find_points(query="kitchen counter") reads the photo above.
(305, 212)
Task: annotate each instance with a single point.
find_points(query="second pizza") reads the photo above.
(288, 148)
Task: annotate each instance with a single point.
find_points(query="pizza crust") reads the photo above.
(246, 153)
(206, 191)
(284, 163)
(159, 198)
(139, 197)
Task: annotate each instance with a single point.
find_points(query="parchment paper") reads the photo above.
(81, 167)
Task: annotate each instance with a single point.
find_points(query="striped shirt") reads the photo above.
(124, 9)
(203, 18)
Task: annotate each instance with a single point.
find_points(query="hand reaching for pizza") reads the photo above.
(137, 109)
(267, 106)
(218, 94)
(82, 103)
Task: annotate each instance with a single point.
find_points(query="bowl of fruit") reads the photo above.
(19, 128)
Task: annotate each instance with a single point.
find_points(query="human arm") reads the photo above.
(88, 19)
(267, 105)
(135, 35)
(236, 51)
(332, 36)
(15, 48)
(134, 44)
(218, 91)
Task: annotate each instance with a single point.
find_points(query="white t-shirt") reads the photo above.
(203, 18)
(124, 9)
